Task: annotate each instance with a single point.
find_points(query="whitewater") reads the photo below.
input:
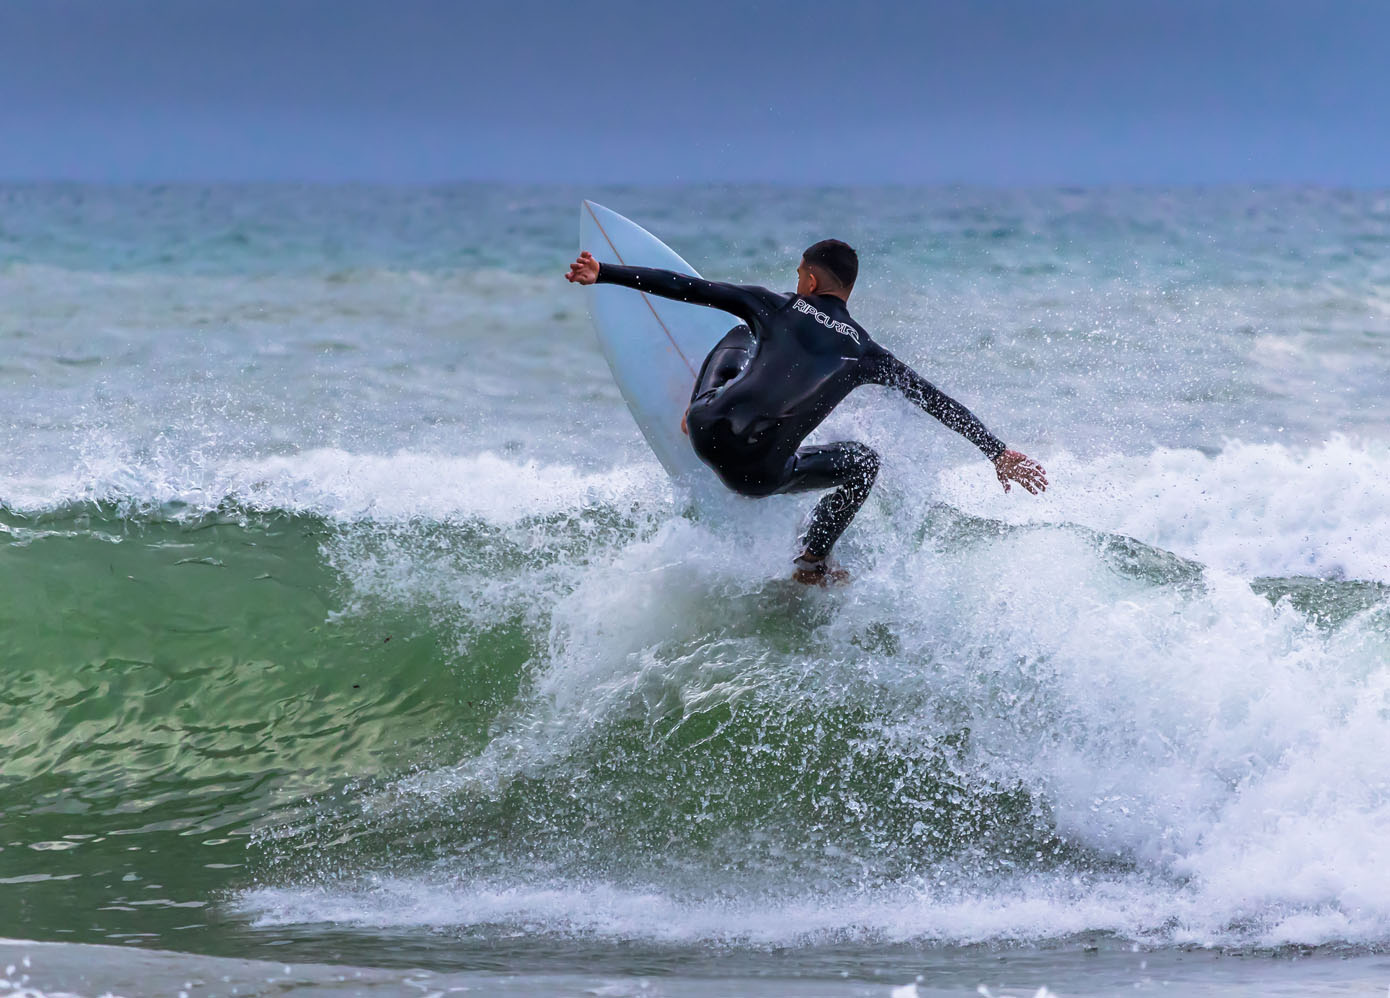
(348, 624)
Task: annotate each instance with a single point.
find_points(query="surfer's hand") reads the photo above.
(584, 270)
(1011, 465)
(685, 425)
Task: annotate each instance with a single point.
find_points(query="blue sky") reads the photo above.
(972, 91)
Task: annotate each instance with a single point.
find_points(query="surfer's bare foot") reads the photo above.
(812, 571)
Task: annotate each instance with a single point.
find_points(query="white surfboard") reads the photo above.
(654, 346)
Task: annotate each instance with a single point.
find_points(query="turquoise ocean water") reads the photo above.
(352, 640)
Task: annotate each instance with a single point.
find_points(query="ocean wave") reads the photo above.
(1116, 739)
(446, 674)
(1249, 509)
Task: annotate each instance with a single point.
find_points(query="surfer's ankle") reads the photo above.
(816, 570)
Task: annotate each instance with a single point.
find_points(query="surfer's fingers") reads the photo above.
(1028, 476)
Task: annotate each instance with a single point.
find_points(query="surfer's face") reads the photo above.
(805, 280)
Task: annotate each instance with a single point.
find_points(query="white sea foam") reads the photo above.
(656, 916)
(341, 485)
(1026, 911)
(1252, 509)
(422, 486)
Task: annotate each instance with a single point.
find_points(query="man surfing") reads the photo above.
(775, 377)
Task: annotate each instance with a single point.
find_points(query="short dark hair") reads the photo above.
(836, 258)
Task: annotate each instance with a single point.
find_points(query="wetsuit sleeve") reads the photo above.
(736, 299)
(881, 368)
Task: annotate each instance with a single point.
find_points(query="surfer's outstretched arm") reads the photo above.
(746, 302)
(882, 368)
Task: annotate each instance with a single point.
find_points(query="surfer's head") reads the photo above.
(827, 268)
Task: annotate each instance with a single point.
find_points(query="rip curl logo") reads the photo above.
(802, 305)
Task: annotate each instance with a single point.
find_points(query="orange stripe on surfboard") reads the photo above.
(655, 314)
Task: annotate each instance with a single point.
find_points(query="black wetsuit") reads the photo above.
(769, 383)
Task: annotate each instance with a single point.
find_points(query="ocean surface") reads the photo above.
(351, 639)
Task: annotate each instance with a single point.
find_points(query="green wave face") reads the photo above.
(170, 686)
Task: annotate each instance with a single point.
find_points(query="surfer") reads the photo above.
(774, 378)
